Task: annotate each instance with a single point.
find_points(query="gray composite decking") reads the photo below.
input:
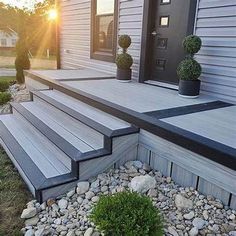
(218, 125)
(47, 157)
(135, 96)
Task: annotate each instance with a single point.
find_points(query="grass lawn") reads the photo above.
(13, 197)
(9, 79)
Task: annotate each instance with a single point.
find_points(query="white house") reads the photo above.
(8, 38)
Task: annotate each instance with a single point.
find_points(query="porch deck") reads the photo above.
(204, 125)
(191, 140)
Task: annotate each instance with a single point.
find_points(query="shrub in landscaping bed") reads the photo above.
(127, 213)
(4, 97)
(4, 85)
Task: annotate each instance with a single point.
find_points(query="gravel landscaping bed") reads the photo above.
(19, 93)
(185, 210)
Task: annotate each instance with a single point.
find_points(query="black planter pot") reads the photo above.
(189, 88)
(124, 75)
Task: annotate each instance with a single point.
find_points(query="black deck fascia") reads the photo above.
(210, 149)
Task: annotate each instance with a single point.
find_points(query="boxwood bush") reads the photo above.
(4, 97)
(4, 85)
(127, 214)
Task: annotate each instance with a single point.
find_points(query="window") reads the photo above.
(3, 42)
(103, 35)
(13, 42)
(165, 2)
(164, 21)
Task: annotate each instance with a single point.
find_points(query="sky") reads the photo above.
(21, 3)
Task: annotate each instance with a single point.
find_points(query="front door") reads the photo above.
(174, 19)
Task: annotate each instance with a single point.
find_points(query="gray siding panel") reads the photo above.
(216, 25)
(75, 34)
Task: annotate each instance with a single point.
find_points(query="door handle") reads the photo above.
(154, 33)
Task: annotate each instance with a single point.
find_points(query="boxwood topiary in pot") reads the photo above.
(189, 70)
(124, 61)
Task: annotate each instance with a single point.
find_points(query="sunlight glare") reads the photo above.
(52, 14)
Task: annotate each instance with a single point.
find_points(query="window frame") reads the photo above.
(101, 55)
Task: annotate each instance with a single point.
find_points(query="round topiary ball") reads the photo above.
(192, 44)
(124, 61)
(189, 69)
(127, 213)
(124, 41)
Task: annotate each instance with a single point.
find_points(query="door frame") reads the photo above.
(148, 25)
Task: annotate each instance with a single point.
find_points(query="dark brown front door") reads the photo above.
(174, 19)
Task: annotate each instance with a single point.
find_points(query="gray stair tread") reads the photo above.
(79, 135)
(99, 116)
(48, 158)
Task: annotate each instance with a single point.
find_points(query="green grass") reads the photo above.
(13, 197)
(8, 78)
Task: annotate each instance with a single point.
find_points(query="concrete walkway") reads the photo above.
(7, 72)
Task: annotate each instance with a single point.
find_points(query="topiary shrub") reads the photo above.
(189, 69)
(4, 97)
(124, 61)
(4, 85)
(22, 61)
(192, 44)
(124, 41)
(127, 213)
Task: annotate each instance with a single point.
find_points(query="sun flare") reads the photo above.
(52, 14)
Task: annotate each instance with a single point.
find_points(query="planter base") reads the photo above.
(186, 96)
(189, 88)
(124, 75)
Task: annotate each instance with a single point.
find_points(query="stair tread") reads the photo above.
(99, 116)
(79, 135)
(46, 156)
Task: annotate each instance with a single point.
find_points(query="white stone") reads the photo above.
(189, 216)
(142, 184)
(193, 232)
(63, 203)
(30, 232)
(88, 232)
(199, 223)
(172, 231)
(28, 213)
(71, 233)
(182, 202)
(32, 221)
(232, 233)
(89, 195)
(71, 193)
(82, 187)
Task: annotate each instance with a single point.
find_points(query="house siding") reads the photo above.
(216, 25)
(75, 34)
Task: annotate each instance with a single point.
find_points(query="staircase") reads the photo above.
(56, 140)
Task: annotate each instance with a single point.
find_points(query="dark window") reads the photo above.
(103, 35)
(3, 42)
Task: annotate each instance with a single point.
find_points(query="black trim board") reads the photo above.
(198, 144)
(179, 111)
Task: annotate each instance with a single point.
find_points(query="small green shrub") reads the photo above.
(124, 41)
(4, 85)
(127, 214)
(192, 44)
(189, 69)
(124, 61)
(22, 61)
(4, 97)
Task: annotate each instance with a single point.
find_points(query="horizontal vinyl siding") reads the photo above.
(75, 34)
(216, 25)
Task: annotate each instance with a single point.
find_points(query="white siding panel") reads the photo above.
(216, 25)
(75, 34)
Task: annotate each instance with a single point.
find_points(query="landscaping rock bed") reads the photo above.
(186, 211)
(19, 93)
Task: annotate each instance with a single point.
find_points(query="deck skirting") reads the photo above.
(187, 168)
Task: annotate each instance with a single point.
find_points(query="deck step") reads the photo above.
(93, 117)
(72, 140)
